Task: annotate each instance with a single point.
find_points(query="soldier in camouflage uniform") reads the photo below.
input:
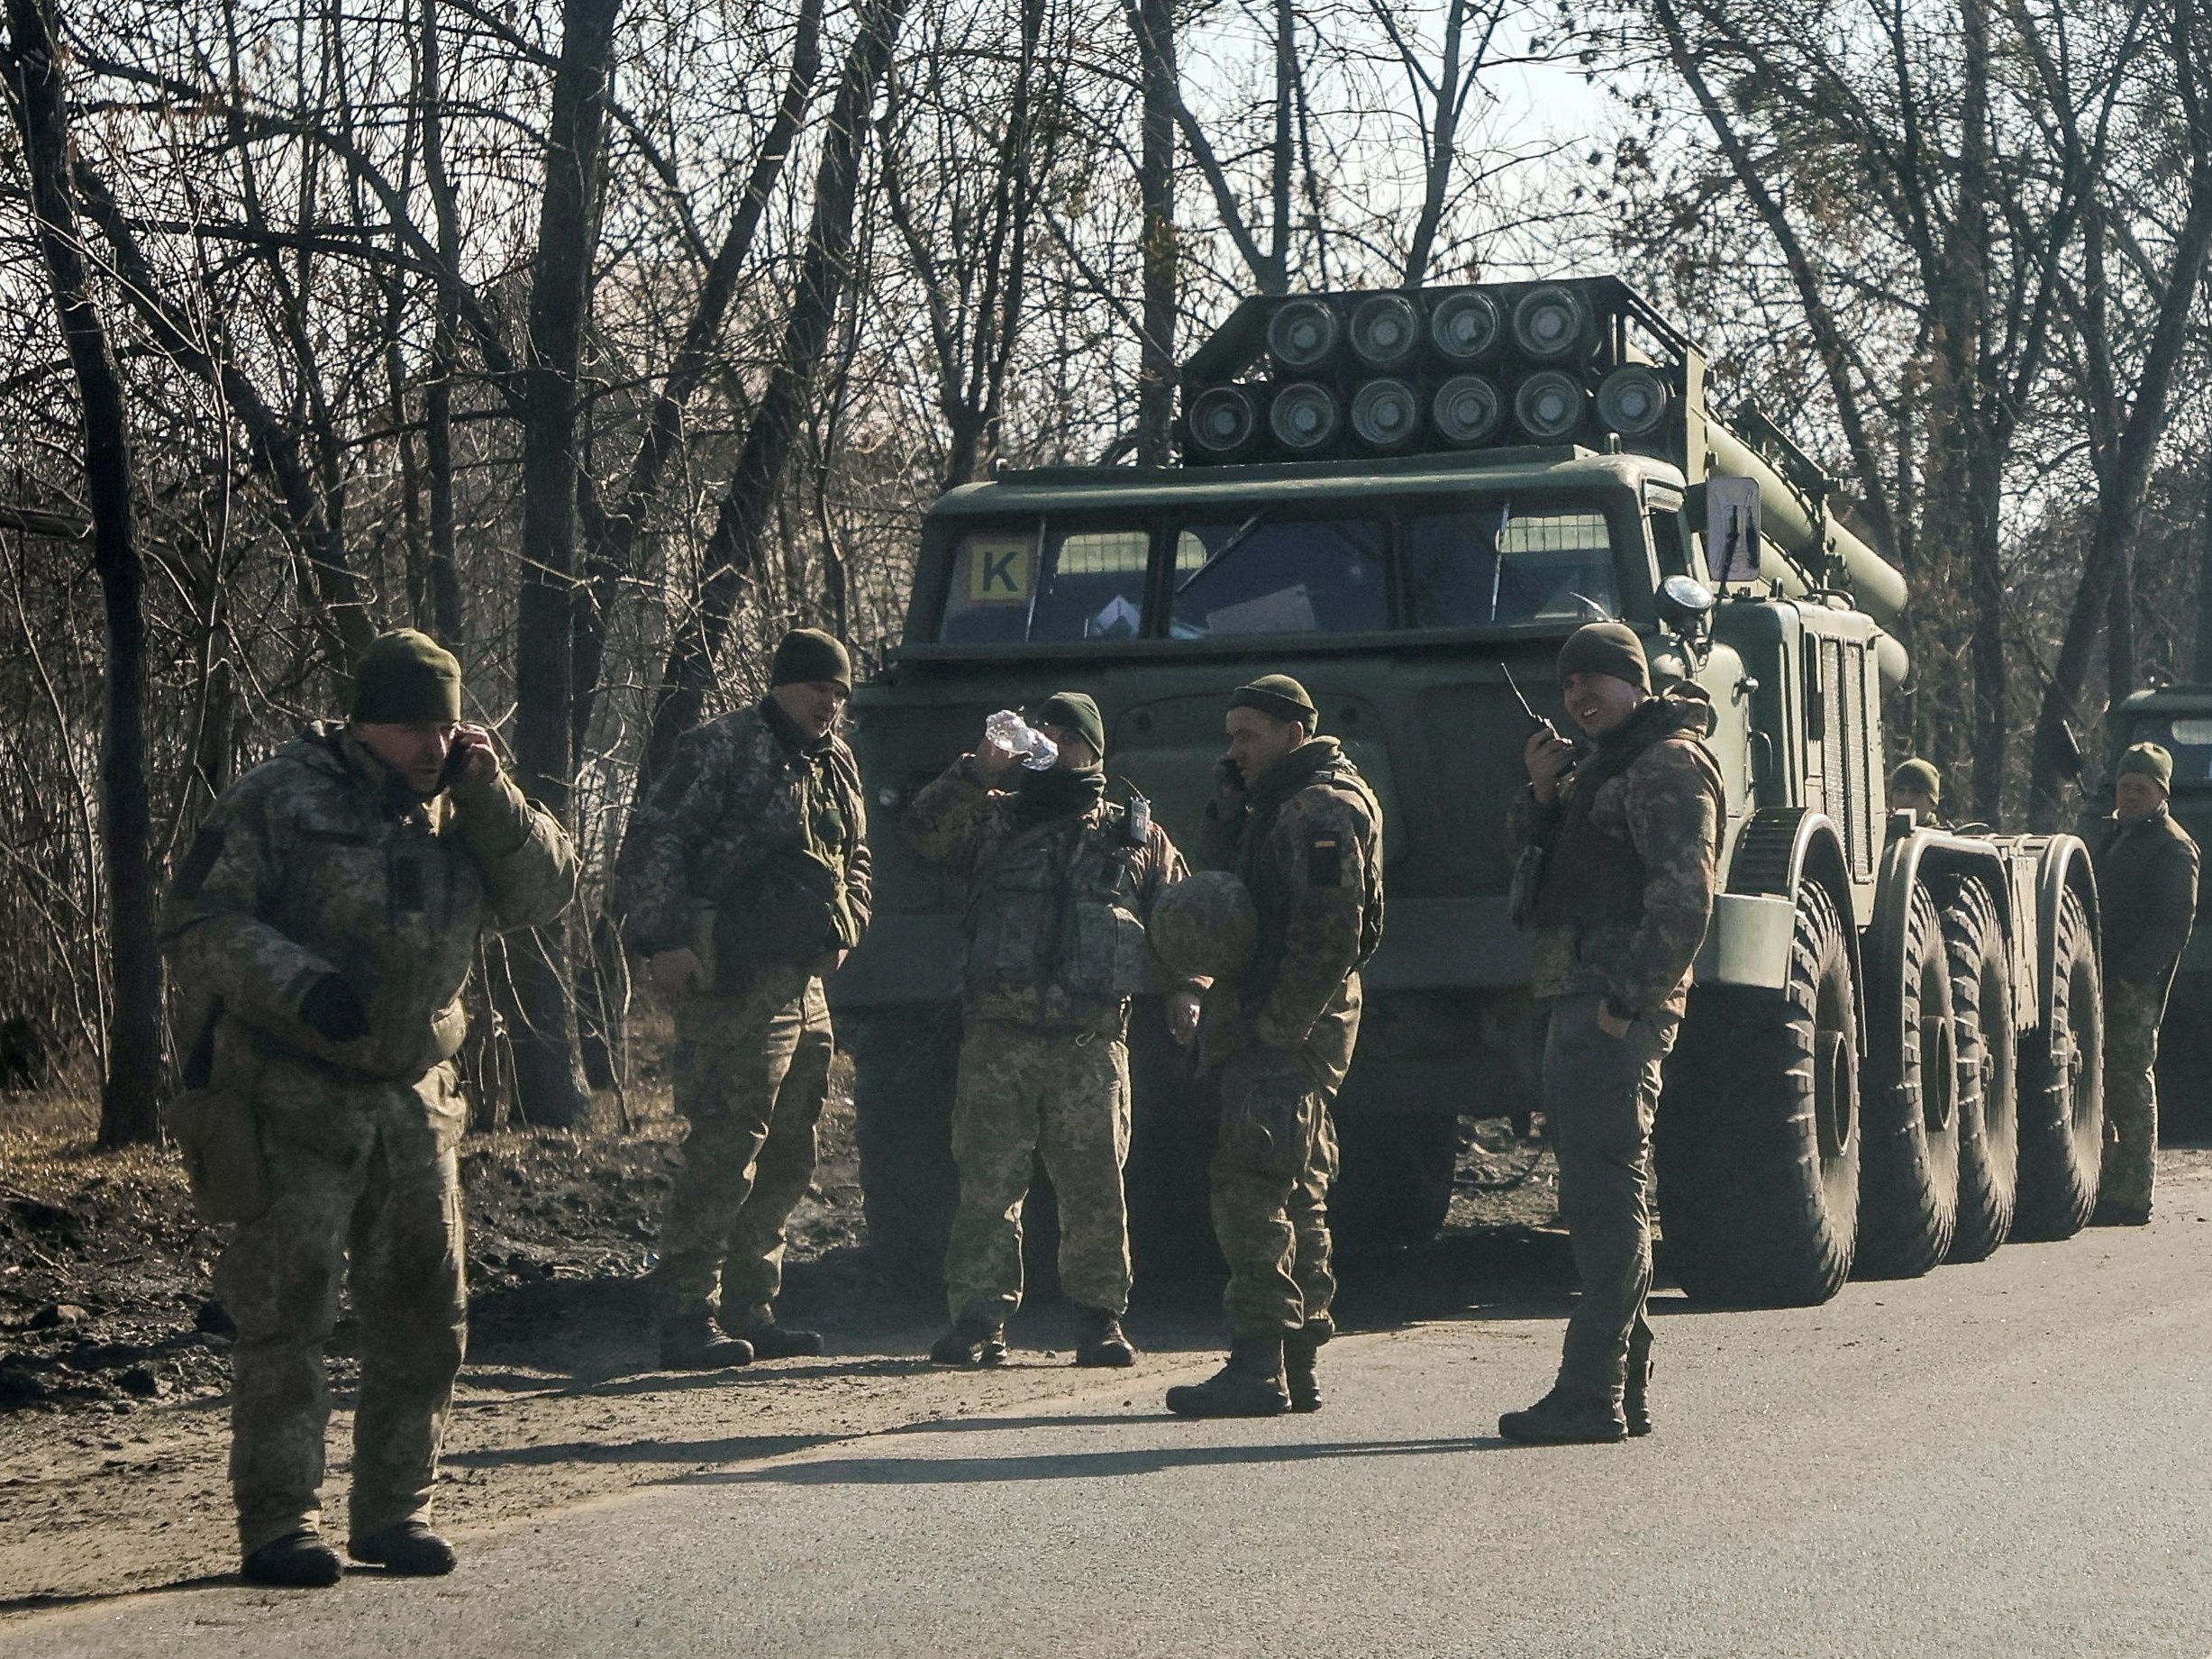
(1293, 818)
(1058, 882)
(322, 926)
(2146, 885)
(743, 882)
(1631, 843)
(1918, 786)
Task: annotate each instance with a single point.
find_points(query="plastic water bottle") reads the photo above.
(1035, 750)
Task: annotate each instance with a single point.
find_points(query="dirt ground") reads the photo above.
(113, 1368)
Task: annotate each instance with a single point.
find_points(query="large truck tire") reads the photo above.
(1908, 1194)
(1393, 1184)
(1175, 1116)
(1758, 1136)
(1989, 1116)
(2063, 1089)
(906, 1066)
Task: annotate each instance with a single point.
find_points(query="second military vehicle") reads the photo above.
(1892, 1055)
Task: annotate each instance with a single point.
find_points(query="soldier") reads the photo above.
(2147, 881)
(322, 926)
(1630, 841)
(743, 880)
(1293, 818)
(1059, 880)
(1918, 788)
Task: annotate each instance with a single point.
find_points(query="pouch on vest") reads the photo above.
(798, 913)
(214, 1130)
(1527, 882)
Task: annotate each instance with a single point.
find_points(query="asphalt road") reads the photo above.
(2007, 1460)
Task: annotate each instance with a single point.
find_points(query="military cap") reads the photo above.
(1279, 696)
(1606, 648)
(1918, 776)
(405, 678)
(1076, 711)
(1204, 925)
(808, 656)
(2151, 760)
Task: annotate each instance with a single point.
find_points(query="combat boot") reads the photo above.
(1251, 1385)
(1301, 1348)
(409, 1549)
(299, 1560)
(777, 1341)
(690, 1342)
(1636, 1391)
(1102, 1343)
(1564, 1417)
(973, 1341)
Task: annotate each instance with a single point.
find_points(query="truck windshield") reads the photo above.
(1484, 564)
(1266, 574)
(2189, 738)
(1046, 582)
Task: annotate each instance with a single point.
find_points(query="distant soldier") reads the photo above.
(1058, 882)
(743, 880)
(2147, 886)
(321, 927)
(1631, 839)
(1293, 818)
(1918, 788)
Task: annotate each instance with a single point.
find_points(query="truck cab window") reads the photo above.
(1045, 583)
(1258, 574)
(1485, 564)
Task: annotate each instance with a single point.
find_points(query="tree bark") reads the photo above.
(1154, 25)
(544, 1019)
(129, 1099)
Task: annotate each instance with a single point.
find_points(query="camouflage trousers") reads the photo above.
(1600, 1094)
(752, 1071)
(2132, 1017)
(364, 1187)
(1271, 1174)
(1027, 1091)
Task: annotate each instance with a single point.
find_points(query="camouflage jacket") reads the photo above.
(1663, 798)
(320, 860)
(1055, 914)
(2146, 889)
(740, 791)
(1306, 839)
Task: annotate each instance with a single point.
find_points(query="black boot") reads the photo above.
(1102, 1343)
(410, 1549)
(973, 1341)
(1565, 1419)
(1301, 1348)
(299, 1560)
(1636, 1391)
(777, 1341)
(690, 1342)
(1251, 1385)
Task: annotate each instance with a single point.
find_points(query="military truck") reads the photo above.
(1892, 1052)
(2180, 717)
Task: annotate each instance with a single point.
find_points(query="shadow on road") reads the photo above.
(733, 1449)
(1079, 1465)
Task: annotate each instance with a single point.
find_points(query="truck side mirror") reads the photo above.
(1732, 530)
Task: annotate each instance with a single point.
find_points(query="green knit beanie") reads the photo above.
(2152, 761)
(808, 656)
(1280, 695)
(407, 678)
(1606, 648)
(1078, 711)
(1918, 776)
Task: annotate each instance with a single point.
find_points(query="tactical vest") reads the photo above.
(1591, 878)
(1268, 947)
(1060, 905)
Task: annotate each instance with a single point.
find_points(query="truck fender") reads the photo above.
(1942, 861)
(1780, 849)
(2065, 866)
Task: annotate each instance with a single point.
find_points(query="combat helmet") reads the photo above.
(1205, 923)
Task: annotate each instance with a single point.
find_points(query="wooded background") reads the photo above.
(605, 339)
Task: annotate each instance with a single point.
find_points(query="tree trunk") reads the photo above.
(129, 1099)
(544, 1018)
(2201, 660)
(1156, 366)
(733, 552)
(445, 598)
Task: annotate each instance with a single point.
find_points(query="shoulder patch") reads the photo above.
(1324, 860)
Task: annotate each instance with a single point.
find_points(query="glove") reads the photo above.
(676, 973)
(332, 1010)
